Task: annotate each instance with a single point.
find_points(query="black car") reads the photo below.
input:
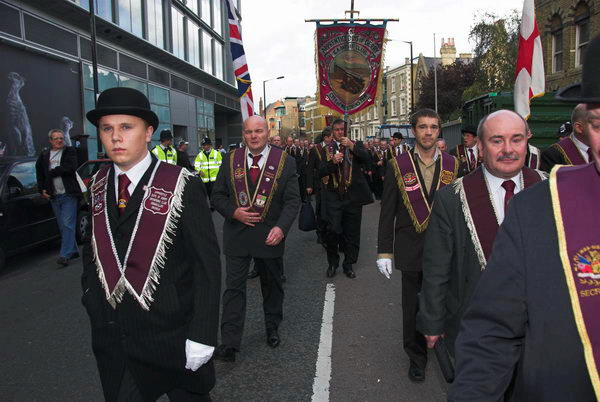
(26, 218)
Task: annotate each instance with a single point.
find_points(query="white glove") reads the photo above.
(197, 354)
(385, 266)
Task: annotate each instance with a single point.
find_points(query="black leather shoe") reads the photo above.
(62, 261)
(349, 271)
(252, 274)
(74, 256)
(225, 354)
(331, 271)
(415, 373)
(273, 339)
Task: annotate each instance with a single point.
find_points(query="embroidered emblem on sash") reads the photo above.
(158, 200)
(446, 176)
(410, 179)
(243, 198)
(260, 200)
(586, 264)
(239, 173)
(98, 192)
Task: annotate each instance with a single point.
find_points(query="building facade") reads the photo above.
(566, 27)
(287, 117)
(176, 52)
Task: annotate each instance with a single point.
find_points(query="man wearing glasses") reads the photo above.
(55, 170)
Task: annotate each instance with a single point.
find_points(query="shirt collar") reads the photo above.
(496, 182)
(264, 152)
(137, 171)
(582, 147)
(435, 156)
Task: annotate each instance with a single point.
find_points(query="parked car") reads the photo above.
(26, 218)
(88, 169)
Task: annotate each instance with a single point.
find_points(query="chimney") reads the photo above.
(448, 52)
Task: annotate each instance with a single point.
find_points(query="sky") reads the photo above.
(278, 42)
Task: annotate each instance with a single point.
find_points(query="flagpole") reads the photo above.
(435, 75)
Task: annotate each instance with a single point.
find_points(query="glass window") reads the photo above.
(199, 106)
(103, 7)
(583, 37)
(163, 113)
(178, 33)
(106, 79)
(207, 63)
(217, 17)
(155, 23)
(218, 60)
(209, 109)
(193, 44)
(192, 5)
(393, 84)
(205, 10)
(135, 84)
(393, 107)
(158, 95)
(557, 51)
(131, 16)
(23, 177)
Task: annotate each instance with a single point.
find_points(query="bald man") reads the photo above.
(257, 193)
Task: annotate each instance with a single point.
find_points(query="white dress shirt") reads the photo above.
(134, 174)
(475, 152)
(262, 160)
(583, 149)
(497, 192)
(55, 157)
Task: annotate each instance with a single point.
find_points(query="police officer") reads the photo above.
(165, 151)
(207, 164)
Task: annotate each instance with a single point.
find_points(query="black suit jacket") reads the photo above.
(551, 156)
(519, 325)
(66, 170)
(242, 240)
(451, 268)
(397, 235)
(359, 192)
(186, 302)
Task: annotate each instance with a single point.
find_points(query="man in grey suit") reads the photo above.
(465, 218)
(531, 330)
(257, 193)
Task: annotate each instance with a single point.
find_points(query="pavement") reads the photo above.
(45, 352)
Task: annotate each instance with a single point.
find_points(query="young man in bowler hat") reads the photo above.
(151, 273)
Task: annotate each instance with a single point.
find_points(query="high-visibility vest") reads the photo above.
(170, 156)
(208, 165)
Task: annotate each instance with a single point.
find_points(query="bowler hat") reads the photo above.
(397, 135)
(588, 90)
(469, 128)
(123, 101)
(165, 135)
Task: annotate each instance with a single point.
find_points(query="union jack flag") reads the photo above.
(240, 66)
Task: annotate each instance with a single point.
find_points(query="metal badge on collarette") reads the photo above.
(243, 198)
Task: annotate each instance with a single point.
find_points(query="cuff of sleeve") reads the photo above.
(384, 255)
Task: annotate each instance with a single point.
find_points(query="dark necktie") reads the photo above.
(471, 159)
(509, 186)
(255, 169)
(590, 155)
(124, 183)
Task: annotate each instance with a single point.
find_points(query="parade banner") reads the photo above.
(349, 61)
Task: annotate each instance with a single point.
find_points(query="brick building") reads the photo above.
(566, 27)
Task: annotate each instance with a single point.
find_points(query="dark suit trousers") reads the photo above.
(129, 392)
(343, 229)
(414, 342)
(234, 297)
(208, 186)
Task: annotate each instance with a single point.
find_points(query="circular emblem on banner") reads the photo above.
(239, 173)
(446, 176)
(409, 179)
(349, 75)
(243, 198)
(587, 263)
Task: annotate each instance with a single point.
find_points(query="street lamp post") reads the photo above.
(265, 94)
(412, 90)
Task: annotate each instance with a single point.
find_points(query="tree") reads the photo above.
(452, 81)
(495, 53)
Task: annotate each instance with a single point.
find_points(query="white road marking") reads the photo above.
(323, 372)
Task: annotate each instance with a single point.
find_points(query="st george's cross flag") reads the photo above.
(240, 66)
(530, 80)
